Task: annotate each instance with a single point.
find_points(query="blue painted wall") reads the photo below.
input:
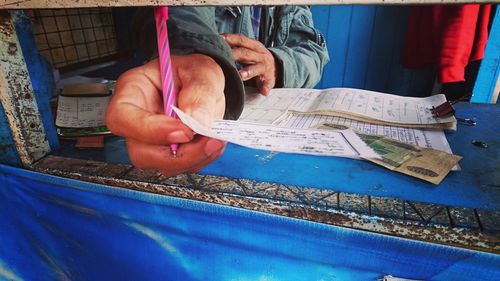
(364, 42)
(489, 72)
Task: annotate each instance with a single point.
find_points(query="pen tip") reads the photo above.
(174, 153)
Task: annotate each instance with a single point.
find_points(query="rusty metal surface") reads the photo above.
(17, 95)
(42, 4)
(467, 228)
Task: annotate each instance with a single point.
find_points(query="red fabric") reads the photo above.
(447, 37)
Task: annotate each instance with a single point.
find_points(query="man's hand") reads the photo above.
(258, 61)
(136, 113)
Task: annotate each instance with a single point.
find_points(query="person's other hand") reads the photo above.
(136, 113)
(258, 61)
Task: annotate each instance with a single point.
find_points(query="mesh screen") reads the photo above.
(70, 36)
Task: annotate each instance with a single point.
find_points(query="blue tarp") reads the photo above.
(56, 228)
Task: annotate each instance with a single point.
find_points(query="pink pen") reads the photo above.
(167, 80)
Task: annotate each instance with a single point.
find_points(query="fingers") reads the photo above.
(199, 102)
(264, 86)
(265, 79)
(215, 155)
(136, 123)
(190, 156)
(245, 50)
(258, 61)
(202, 88)
(239, 40)
(247, 56)
(135, 111)
(250, 71)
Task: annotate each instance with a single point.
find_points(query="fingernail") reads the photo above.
(178, 136)
(203, 116)
(213, 146)
(244, 74)
(264, 91)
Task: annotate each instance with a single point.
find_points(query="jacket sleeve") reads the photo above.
(299, 48)
(193, 30)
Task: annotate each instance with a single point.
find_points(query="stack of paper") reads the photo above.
(81, 108)
(274, 109)
(288, 120)
(372, 107)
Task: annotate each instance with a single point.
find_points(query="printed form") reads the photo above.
(424, 138)
(266, 123)
(341, 143)
(369, 105)
(81, 112)
(273, 110)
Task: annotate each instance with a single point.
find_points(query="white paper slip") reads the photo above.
(344, 143)
(425, 138)
(369, 104)
(435, 139)
(272, 109)
(81, 112)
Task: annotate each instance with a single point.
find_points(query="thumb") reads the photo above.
(198, 103)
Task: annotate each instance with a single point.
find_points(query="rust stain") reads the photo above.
(320, 216)
(12, 49)
(5, 23)
(464, 237)
(16, 3)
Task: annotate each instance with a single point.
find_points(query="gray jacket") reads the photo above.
(287, 31)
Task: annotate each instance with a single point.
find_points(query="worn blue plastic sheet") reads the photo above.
(55, 228)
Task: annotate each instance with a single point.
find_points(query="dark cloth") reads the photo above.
(288, 32)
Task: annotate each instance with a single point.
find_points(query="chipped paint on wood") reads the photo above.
(487, 85)
(45, 4)
(17, 95)
(8, 151)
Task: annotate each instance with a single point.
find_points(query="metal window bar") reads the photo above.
(69, 37)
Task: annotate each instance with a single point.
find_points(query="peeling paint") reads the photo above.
(5, 23)
(21, 113)
(266, 157)
(12, 49)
